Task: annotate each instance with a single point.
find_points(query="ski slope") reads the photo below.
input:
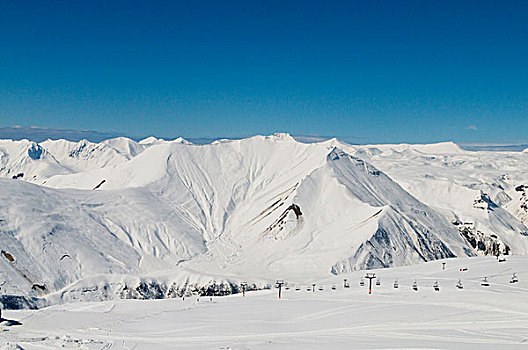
(493, 317)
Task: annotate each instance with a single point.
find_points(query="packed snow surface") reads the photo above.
(476, 316)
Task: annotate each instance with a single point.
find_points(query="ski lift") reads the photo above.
(378, 281)
(514, 278)
(436, 287)
(333, 287)
(459, 284)
(485, 282)
(321, 287)
(361, 282)
(396, 283)
(415, 286)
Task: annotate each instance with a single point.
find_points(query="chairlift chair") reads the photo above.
(396, 283)
(333, 287)
(485, 282)
(361, 282)
(321, 287)
(297, 288)
(378, 281)
(459, 284)
(514, 278)
(415, 286)
(436, 286)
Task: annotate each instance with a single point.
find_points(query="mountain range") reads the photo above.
(156, 218)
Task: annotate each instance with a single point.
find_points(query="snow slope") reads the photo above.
(155, 217)
(493, 317)
(54, 238)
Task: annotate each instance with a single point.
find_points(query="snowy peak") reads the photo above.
(27, 160)
(282, 136)
(405, 225)
(181, 140)
(355, 173)
(434, 148)
(151, 140)
(438, 148)
(84, 155)
(258, 138)
(62, 157)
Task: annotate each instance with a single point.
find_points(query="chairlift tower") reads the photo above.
(313, 287)
(370, 277)
(279, 285)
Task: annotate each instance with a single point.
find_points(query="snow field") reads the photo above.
(475, 317)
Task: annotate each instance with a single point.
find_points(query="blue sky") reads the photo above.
(365, 71)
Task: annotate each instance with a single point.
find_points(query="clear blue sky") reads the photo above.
(367, 71)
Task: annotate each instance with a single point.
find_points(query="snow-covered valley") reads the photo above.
(161, 219)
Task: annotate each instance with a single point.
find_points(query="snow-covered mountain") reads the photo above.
(104, 218)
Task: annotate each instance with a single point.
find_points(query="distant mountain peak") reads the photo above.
(283, 136)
